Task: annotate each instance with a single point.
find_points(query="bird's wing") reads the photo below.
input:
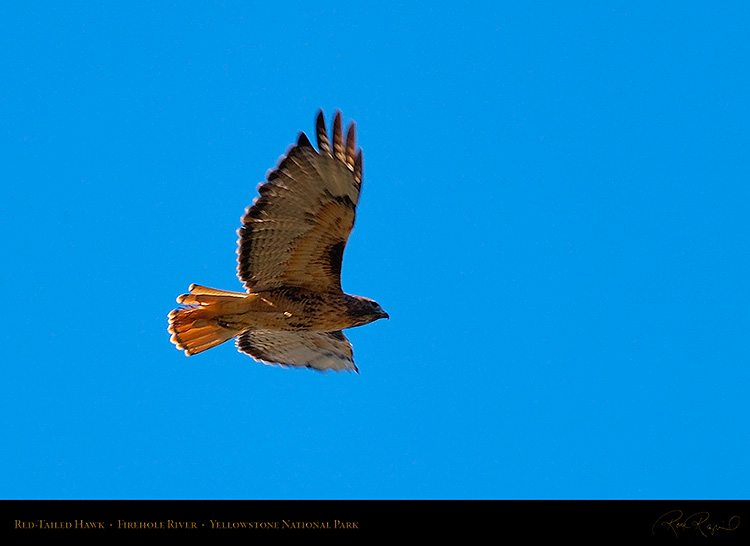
(295, 231)
(319, 350)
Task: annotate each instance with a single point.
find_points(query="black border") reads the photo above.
(603, 520)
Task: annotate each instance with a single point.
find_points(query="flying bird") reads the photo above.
(290, 248)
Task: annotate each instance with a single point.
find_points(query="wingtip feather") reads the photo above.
(321, 133)
(338, 138)
(303, 141)
(351, 145)
(358, 167)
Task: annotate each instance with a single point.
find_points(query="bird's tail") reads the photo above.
(196, 327)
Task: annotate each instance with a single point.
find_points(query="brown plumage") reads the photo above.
(289, 255)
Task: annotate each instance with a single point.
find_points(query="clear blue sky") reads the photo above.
(554, 214)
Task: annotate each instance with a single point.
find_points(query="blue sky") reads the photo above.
(554, 214)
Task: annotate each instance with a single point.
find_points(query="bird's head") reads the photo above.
(365, 310)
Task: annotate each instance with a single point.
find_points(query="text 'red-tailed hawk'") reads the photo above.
(290, 249)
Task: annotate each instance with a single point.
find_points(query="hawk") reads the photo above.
(290, 249)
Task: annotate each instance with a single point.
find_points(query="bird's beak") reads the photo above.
(384, 315)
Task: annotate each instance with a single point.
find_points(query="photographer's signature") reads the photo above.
(676, 522)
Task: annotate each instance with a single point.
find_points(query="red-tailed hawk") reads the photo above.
(289, 255)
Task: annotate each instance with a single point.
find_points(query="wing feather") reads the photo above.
(324, 145)
(319, 350)
(351, 145)
(338, 139)
(297, 228)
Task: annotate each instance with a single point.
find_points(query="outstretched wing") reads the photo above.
(295, 232)
(319, 350)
